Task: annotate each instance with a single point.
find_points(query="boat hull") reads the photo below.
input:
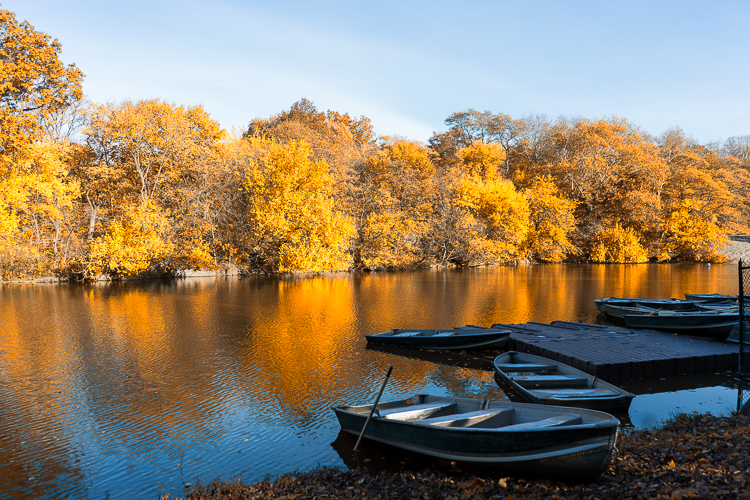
(459, 338)
(577, 452)
(705, 323)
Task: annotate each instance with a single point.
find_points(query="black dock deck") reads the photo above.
(615, 353)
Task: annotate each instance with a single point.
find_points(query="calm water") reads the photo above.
(131, 389)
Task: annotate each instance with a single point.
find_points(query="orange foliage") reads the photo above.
(619, 245)
(551, 220)
(296, 226)
(690, 236)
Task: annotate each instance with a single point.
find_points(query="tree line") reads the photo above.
(118, 188)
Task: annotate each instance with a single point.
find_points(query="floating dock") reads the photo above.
(615, 353)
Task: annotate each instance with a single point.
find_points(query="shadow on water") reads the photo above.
(475, 360)
(378, 457)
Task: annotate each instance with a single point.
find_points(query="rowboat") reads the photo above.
(522, 438)
(542, 380)
(714, 324)
(615, 311)
(611, 305)
(618, 301)
(710, 297)
(718, 306)
(457, 338)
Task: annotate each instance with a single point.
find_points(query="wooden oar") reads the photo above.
(372, 410)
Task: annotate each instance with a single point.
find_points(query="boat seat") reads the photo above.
(526, 367)
(419, 411)
(407, 334)
(556, 421)
(549, 380)
(470, 418)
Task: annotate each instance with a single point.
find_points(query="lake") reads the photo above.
(131, 389)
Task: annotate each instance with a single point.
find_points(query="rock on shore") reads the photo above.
(737, 249)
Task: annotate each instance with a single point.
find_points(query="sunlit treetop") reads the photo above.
(34, 83)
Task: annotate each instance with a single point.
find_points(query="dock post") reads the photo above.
(743, 370)
(744, 325)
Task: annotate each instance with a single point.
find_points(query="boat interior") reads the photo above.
(477, 414)
(420, 333)
(545, 380)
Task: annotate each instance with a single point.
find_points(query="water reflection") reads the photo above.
(129, 388)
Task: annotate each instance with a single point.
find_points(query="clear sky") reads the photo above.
(407, 65)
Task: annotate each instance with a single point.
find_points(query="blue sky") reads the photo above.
(408, 65)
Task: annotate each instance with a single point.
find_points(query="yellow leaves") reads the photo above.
(481, 160)
(33, 84)
(36, 191)
(390, 240)
(690, 235)
(132, 243)
(618, 244)
(295, 224)
(551, 220)
(154, 143)
(502, 212)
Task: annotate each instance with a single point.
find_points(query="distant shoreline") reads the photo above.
(737, 249)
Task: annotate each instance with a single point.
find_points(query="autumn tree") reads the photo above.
(689, 235)
(295, 225)
(738, 147)
(393, 205)
(469, 127)
(338, 139)
(614, 173)
(499, 219)
(617, 244)
(701, 199)
(150, 156)
(35, 193)
(551, 221)
(34, 84)
(133, 242)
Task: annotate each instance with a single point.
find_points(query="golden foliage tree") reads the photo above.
(34, 83)
(551, 221)
(339, 139)
(499, 216)
(295, 224)
(132, 243)
(35, 193)
(393, 204)
(691, 236)
(150, 155)
(617, 244)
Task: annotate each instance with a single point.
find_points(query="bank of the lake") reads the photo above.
(737, 249)
(690, 456)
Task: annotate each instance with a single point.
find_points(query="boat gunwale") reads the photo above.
(607, 420)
